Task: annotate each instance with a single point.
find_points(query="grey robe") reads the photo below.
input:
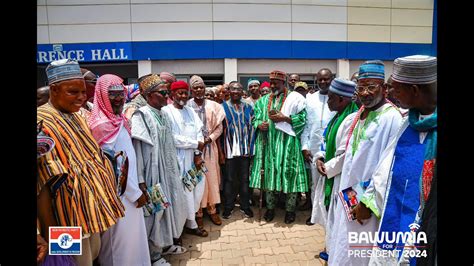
(157, 163)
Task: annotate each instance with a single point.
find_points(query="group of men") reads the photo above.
(152, 159)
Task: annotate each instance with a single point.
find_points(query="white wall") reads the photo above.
(83, 21)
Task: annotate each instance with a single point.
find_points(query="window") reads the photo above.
(209, 80)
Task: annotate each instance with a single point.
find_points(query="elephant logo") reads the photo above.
(65, 241)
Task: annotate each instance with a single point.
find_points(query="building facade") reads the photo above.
(225, 40)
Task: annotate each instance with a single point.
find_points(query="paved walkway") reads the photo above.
(242, 241)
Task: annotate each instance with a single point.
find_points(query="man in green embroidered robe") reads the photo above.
(279, 152)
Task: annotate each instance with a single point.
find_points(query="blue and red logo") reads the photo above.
(65, 240)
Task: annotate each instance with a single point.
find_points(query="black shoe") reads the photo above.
(269, 215)
(247, 212)
(226, 214)
(308, 221)
(290, 217)
(306, 206)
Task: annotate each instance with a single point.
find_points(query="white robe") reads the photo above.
(359, 167)
(126, 243)
(157, 164)
(333, 170)
(294, 103)
(187, 132)
(318, 116)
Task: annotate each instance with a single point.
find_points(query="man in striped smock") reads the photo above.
(87, 197)
(278, 151)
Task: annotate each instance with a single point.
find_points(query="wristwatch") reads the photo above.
(197, 152)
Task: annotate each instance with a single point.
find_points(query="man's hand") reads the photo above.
(41, 249)
(263, 126)
(307, 156)
(198, 161)
(279, 117)
(201, 146)
(361, 212)
(207, 140)
(221, 158)
(321, 167)
(143, 188)
(142, 200)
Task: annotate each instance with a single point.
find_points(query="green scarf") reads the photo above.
(330, 138)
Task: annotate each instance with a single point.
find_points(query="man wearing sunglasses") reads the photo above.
(158, 164)
(108, 125)
(374, 127)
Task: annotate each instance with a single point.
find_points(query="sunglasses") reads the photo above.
(163, 92)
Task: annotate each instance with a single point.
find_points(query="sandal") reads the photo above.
(197, 232)
(174, 250)
(161, 262)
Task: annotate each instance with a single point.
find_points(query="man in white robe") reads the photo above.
(189, 141)
(119, 244)
(374, 126)
(317, 118)
(330, 161)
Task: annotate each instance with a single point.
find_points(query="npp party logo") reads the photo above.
(65, 240)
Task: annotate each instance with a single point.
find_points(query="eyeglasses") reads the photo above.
(370, 88)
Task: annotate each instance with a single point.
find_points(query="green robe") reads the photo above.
(284, 162)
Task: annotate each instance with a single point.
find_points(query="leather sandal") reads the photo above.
(215, 219)
(197, 232)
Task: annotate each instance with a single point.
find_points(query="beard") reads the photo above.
(180, 102)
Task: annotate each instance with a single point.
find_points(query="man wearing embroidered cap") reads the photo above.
(284, 163)
(410, 160)
(329, 162)
(374, 127)
(316, 121)
(77, 156)
(157, 163)
(253, 87)
(186, 127)
(119, 244)
(137, 102)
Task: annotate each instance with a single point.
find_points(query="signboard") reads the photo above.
(87, 52)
